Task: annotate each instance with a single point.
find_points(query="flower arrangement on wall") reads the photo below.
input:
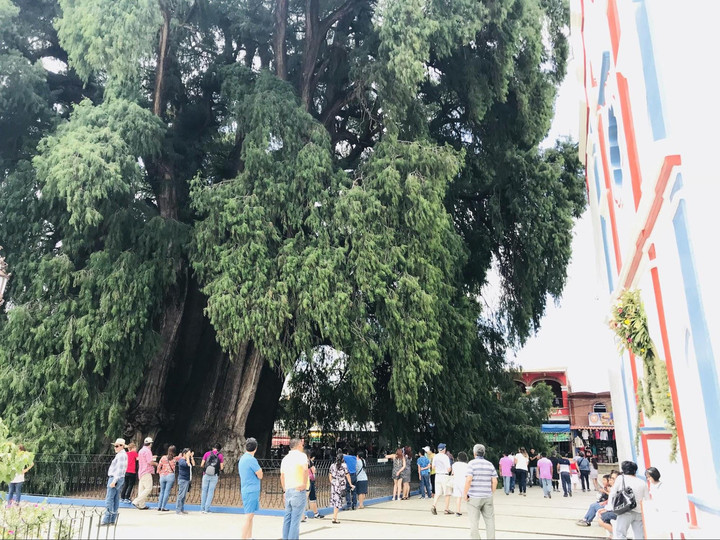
(629, 322)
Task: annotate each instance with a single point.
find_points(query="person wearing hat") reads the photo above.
(116, 478)
(146, 464)
(443, 482)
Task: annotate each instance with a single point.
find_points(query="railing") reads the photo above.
(85, 477)
(29, 521)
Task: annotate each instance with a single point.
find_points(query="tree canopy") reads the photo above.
(197, 196)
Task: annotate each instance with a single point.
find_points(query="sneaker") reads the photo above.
(318, 516)
(433, 510)
(565, 495)
(583, 523)
(203, 512)
(549, 495)
(165, 510)
(184, 512)
(571, 493)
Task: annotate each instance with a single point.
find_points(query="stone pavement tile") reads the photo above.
(515, 517)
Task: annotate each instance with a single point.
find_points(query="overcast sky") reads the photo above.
(573, 334)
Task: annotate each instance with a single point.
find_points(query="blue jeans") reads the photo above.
(351, 494)
(546, 484)
(208, 491)
(112, 500)
(425, 487)
(566, 483)
(166, 484)
(182, 493)
(506, 484)
(590, 514)
(14, 490)
(294, 508)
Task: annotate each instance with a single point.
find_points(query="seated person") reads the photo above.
(608, 481)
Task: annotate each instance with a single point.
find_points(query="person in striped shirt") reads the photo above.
(480, 483)
(116, 478)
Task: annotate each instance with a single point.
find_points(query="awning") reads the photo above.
(590, 428)
(555, 428)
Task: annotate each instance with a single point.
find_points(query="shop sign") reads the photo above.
(600, 419)
(557, 437)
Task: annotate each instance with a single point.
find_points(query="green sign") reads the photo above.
(557, 437)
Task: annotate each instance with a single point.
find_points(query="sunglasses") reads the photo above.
(118, 445)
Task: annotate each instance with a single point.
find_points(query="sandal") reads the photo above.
(448, 512)
(335, 521)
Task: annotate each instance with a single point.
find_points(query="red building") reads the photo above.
(557, 427)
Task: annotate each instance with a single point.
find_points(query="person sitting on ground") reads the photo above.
(586, 521)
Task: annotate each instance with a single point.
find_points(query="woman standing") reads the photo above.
(406, 473)
(312, 494)
(397, 469)
(459, 472)
(521, 470)
(594, 473)
(362, 479)
(339, 482)
(15, 487)
(166, 470)
(130, 473)
(184, 464)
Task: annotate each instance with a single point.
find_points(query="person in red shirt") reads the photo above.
(130, 474)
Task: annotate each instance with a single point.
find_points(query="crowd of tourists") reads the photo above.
(443, 478)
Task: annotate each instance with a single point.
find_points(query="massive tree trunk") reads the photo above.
(281, 9)
(261, 419)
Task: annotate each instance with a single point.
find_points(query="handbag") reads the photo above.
(624, 499)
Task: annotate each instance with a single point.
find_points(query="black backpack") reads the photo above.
(212, 467)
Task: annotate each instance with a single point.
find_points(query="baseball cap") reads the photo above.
(426, 448)
(148, 440)
(441, 446)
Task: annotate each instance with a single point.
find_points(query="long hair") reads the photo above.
(339, 459)
(408, 452)
(171, 452)
(523, 451)
(399, 453)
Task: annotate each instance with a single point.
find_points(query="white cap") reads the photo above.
(148, 440)
(119, 442)
(426, 448)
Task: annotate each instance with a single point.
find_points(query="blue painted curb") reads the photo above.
(328, 510)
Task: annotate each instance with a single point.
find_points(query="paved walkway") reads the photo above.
(515, 517)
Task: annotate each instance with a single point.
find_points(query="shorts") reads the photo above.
(361, 487)
(608, 516)
(312, 496)
(444, 484)
(251, 502)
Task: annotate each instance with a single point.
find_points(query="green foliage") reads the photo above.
(13, 460)
(110, 38)
(629, 323)
(366, 223)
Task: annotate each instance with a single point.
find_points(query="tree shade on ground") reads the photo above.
(197, 196)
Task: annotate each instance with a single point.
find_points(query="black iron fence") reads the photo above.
(85, 477)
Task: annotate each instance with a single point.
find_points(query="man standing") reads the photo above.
(423, 465)
(212, 463)
(443, 482)
(632, 519)
(583, 464)
(116, 478)
(146, 464)
(294, 481)
(544, 466)
(480, 485)
(532, 467)
(350, 494)
(250, 476)
(564, 469)
(430, 455)
(506, 465)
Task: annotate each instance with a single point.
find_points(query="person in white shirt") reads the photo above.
(633, 518)
(521, 470)
(443, 482)
(459, 474)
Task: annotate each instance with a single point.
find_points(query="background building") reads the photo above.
(648, 140)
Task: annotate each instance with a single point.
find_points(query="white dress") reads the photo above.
(459, 470)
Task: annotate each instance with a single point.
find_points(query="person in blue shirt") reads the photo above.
(351, 494)
(423, 465)
(250, 475)
(185, 464)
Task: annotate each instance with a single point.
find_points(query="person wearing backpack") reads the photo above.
(583, 464)
(212, 463)
(633, 488)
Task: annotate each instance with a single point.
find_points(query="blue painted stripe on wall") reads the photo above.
(597, 175)
(704, 356)
(606, 249)
(630, 425)
(603, 78)
(652, 87)
(677, 187)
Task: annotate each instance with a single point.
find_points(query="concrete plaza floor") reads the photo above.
(515, 517)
